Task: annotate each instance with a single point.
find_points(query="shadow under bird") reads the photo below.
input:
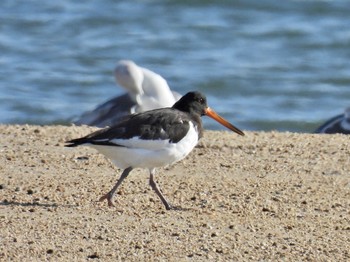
(153, 139)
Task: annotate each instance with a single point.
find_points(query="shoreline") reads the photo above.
(264, 196)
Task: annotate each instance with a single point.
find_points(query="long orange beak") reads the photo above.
(211, 113)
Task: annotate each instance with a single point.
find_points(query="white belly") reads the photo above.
(152, 153)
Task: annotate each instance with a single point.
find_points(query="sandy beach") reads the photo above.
(263, 197)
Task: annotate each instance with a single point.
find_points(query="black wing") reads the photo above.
(164, 124)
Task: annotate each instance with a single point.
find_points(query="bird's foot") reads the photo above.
(176, 208)
(167, 206)
(109, 198)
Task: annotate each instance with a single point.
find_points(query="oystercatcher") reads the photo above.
(338, 124)
(146, 90)
(153, 138)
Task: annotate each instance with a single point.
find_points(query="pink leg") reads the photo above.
(109, 196)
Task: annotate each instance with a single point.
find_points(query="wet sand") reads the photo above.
(266, 196)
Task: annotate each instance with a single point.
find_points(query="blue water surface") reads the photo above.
(264, 65)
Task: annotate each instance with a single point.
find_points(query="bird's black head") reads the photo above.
(192, 102)
(195, 103)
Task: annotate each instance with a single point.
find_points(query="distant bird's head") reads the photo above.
(129, 76)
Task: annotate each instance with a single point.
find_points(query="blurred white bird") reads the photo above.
(146, 90)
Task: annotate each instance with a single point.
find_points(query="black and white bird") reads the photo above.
(339, 124)
(146, 90)
(153, 139)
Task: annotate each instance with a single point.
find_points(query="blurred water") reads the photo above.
(264, 65)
